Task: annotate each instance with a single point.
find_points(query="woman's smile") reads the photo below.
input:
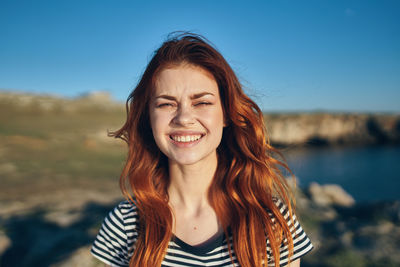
(185, 138)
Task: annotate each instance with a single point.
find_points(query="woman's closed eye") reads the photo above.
(202, 103)
(163, 105)
(171, 104)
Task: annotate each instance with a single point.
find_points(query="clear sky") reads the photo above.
(290, 55)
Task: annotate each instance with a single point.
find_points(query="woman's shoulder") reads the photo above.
(301, 242)
(117, 235)
(282, 207)
(125, 213)
(126, 207)
(122, 221)
(289, 215)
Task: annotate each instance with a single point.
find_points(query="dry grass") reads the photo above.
(57, 145)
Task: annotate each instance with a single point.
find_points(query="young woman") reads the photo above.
(201, 184)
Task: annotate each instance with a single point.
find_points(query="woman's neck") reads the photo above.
(189, 184)
(194, 220)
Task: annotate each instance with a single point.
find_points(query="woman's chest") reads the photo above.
(196, 229)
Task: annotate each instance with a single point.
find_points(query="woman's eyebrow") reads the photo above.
(166, 97)
(199, 95)
(194, 96)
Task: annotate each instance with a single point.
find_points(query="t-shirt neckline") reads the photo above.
(202, 249)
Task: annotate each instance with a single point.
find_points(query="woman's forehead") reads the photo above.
(185, 79)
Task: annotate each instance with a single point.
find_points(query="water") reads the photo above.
(367, 173)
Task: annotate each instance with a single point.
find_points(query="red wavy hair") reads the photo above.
(247, 179)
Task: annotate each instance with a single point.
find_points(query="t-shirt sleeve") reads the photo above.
(301, 243)
(111, 243)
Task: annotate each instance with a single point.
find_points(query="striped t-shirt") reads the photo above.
(114, 242)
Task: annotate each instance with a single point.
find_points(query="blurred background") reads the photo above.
(325, 73)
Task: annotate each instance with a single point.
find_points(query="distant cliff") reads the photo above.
(333, 128)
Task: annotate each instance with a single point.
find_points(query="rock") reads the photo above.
(62, 218)
(382, 228)
(5, 243)
(347, 238)
(378, 240)
(331, 194)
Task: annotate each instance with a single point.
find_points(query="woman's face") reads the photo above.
(186, 114)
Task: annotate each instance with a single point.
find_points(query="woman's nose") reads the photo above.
(184, 115)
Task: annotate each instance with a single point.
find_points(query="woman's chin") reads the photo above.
(185, 161)
(193, 159)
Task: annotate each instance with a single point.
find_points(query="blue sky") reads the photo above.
(289, 55)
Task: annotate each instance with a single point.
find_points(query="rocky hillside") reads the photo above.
(52, 103)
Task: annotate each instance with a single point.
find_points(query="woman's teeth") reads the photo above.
(185, 138)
